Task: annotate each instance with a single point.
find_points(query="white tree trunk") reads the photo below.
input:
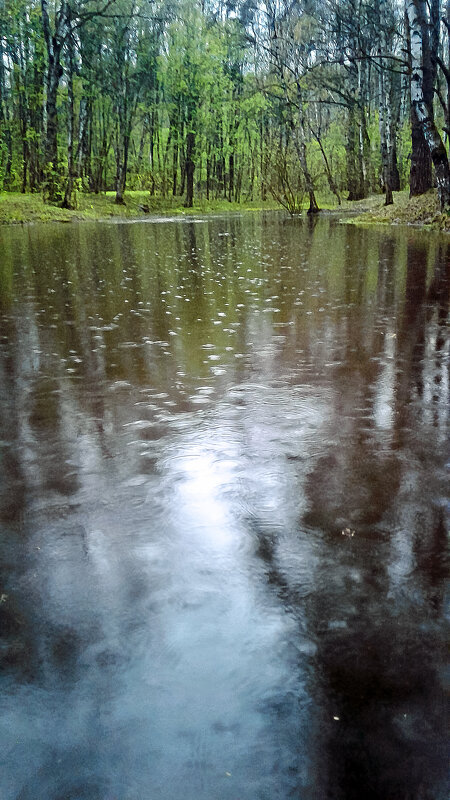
(415, 10)
(384, 134)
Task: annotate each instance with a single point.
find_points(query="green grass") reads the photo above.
(422, 210)
(16, 207)
(24, 208)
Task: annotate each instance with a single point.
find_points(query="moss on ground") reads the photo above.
(422, 210)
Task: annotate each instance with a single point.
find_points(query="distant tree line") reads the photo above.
(234, 99)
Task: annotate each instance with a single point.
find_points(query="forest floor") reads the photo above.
(24, 208)
(422, 211)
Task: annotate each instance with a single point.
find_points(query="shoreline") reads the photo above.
(418, 212)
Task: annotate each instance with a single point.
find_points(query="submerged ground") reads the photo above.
(224, 511)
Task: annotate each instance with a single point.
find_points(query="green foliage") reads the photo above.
(3, 163)
(53, 184)
(333, 143)
(284, 177)
(159, 85)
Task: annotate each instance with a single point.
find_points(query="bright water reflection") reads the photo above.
(223, 511)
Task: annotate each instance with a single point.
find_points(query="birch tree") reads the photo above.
(421, 67)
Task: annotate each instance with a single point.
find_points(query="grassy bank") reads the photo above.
(20, 208)
(423, 211)
(23, 208)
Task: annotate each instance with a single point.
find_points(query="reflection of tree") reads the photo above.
(12, 483)
(190, 276)
(422, 309)
(355, 266)
(411, 340)
(52, 446)
(380, 579)
(36, 466)
(379, 671)
(354, 483)
(438, 299)
(371, 614)
(439, 293)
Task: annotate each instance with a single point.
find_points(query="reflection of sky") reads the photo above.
(384, 400)
(200, 655)
(200, 503)
(226, 634)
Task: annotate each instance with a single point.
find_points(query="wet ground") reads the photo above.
(223, 511)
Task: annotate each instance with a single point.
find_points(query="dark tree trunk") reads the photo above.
(122, 172)
(51, 140)
(54, 43)
(368, 172)
(394, 174)
(393, 119)
(182, 176)
(208, 176)
(328, 173)
(190, 169)
(223, 170)
(313, 206)
(140, 157)
(261, 159)
(164, 165)
(126, 112)
(230, 177)
(420, 177)
(301, 151)
(447, 23)
(84, 127)
(238, 186)
(174, 168)
(37, 123)
(420, 55)
(23, 119)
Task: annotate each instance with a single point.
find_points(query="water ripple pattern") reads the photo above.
(224, 511)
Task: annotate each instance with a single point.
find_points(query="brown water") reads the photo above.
(224, 514)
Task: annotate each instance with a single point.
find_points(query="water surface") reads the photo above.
(223, 511)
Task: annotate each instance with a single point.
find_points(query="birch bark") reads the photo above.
(422, 109)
